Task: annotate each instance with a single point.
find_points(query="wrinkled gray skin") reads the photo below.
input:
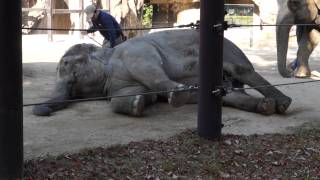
(297, 12)
(156, 62)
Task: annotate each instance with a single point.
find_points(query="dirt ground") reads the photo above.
(92, 124)
(186, 156)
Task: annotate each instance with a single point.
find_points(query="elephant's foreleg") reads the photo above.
(62, 92)
(243, 101)
(132, 105)
(308, 41)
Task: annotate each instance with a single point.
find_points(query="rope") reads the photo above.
(190, 88)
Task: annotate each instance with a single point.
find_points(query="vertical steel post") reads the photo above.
(11, 126)
(211, 54)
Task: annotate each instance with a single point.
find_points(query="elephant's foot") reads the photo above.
(177, 99)
(283, 104)
(133, 105)
(138, 105)
(266, 106)
(303, 72)
(42, 110)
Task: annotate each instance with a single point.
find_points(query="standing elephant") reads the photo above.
(297, 12)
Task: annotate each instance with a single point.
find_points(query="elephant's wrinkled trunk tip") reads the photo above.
(284, 72)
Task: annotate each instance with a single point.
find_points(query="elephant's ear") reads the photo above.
(82, 58)
(76, 59)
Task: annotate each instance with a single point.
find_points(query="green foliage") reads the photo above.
(147, 15)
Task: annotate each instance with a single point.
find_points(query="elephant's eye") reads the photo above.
(66, 63)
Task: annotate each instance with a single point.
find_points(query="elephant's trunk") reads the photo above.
(282, 35)
(62, 92)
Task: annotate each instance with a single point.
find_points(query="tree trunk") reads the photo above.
(35, 19)
(128, 13)
(32, 19)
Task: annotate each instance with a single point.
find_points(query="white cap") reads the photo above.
(90, 9)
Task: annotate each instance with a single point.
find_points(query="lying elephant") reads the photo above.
(297, 12)
(160, 61)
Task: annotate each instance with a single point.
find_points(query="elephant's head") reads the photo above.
(79, 74)
(80, 66)
(292, 12)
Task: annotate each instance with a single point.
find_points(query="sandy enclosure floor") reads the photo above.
(92, 124)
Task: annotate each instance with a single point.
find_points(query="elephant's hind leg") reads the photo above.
(132, 105)
(155, 78)
(243, 101)
(253, 79)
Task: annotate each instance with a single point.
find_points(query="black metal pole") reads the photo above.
(211, 52)
(11, 124)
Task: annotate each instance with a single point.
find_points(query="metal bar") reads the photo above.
(11, 118)
(49, 20)
(81, 17)
(211, 54)
(33, 9)
(244, 5)
(66, 11)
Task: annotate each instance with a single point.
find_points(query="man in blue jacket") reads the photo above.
(100, 20)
